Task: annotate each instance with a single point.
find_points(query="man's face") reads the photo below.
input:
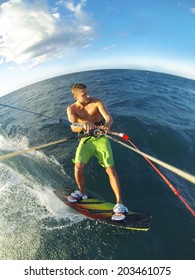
(82, 96)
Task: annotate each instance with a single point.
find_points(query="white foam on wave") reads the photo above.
(21, 143)
(28, 205)
(27, 208)
(13, 144)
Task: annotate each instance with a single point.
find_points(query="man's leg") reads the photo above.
(119, 210)
(114, 182)
(80, 180)
(79, 176)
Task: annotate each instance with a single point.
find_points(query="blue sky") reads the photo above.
(40, 39)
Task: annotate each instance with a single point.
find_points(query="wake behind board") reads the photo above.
(101, 210)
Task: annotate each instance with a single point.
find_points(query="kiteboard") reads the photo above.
(100, 210)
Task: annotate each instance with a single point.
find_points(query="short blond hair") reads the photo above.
(76, 87)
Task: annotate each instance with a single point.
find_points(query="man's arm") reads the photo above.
(105, 114)
(73, 119)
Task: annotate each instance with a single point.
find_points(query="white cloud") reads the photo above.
(87, 46)
(32, 32)
(77, 9)
(56, 15)
(108, 47)
(193, 10)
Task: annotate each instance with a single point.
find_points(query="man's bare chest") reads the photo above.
(88, 112)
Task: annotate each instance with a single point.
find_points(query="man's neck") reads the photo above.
(84, 104)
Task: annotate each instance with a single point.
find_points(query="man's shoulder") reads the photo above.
(71, 107)
(96, 100)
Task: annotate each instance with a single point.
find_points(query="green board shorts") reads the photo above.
(99, 147)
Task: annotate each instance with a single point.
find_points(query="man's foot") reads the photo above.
(76, 196)
(119, 212)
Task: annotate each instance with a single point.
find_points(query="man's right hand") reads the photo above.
(88, 125)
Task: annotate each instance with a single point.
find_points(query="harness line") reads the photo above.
(18, 153)
(27, 111)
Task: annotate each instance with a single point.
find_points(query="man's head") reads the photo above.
(80, 93)
(77, 88)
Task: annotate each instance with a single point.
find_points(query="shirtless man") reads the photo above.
(92, 113)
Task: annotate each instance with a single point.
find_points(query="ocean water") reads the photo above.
(157, 112)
